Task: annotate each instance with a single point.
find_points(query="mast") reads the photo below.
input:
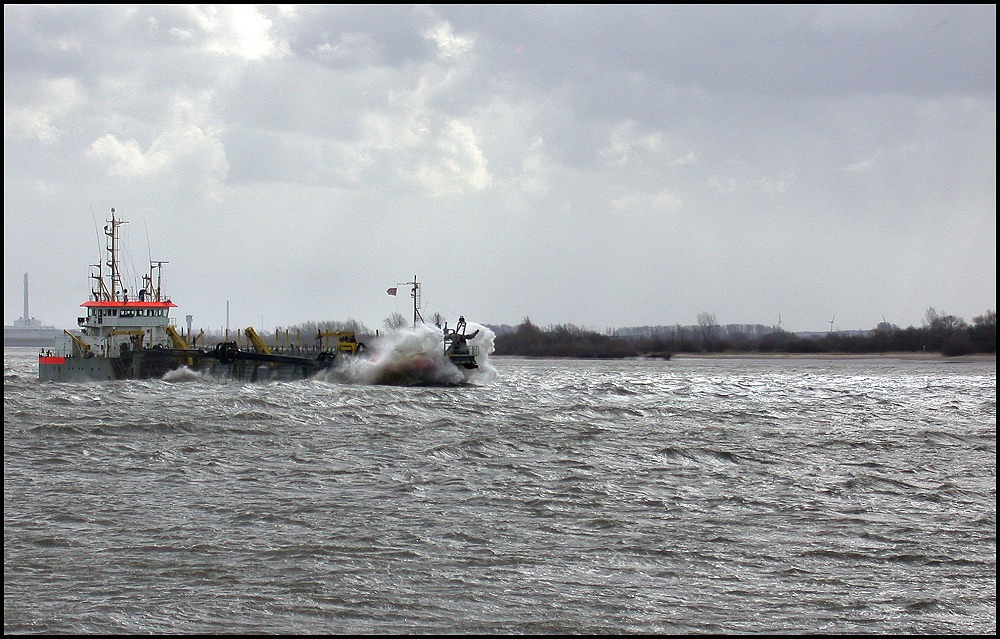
(116, 277)
(415, 294)
(151, 291)
(101, 292)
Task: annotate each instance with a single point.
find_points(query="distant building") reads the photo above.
(28, 331)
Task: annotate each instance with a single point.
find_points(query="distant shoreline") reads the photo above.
(901, 356)
(930, 357)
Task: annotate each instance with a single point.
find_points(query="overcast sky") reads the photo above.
(595, 165)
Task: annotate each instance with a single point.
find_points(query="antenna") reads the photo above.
(98, 274)
(97, 233)
(149, 251)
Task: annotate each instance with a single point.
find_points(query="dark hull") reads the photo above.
(226, 361)
(155, 363)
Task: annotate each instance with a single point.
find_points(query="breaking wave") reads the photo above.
(415, 357)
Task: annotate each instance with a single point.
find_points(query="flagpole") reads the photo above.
(415, 294)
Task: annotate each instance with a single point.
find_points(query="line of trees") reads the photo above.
(941, 333)
(571, 341)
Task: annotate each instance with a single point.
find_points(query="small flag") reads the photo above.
(391, 291)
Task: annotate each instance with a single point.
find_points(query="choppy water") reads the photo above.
(686, 496)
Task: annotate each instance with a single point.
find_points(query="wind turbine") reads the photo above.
(831, 322)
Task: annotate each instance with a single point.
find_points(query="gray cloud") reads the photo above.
(597, 165)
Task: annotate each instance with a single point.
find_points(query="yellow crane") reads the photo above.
(257, 342)
(175, 337)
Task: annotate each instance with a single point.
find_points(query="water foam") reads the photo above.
(415, 356)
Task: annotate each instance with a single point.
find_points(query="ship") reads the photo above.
(28, 331)
(124, 336)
